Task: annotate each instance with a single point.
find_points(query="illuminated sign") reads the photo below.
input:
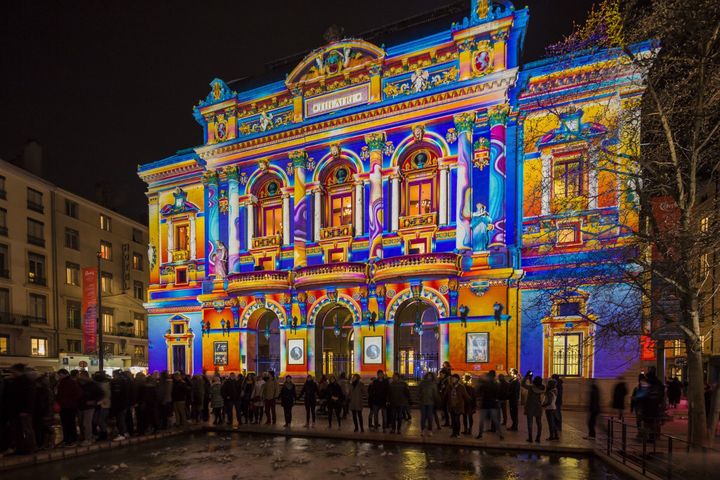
(337, 100)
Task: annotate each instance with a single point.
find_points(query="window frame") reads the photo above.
(105, 222)
(33, 203)
(32, 239)
(4, 261)
(106, 250)
(579, 365)
(142, 290)
(137, 266)
(33, 277)
(3, 222)
(38, 341)
(32, 307)
(107, 320)
(72, 208)
(74, 237)
(70, 305)
(106, 279)
(6, 338)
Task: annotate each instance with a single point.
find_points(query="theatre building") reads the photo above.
(367, 212)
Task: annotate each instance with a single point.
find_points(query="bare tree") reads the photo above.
(664, 154)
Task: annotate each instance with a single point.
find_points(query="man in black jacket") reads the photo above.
(379, 399)
(514, 398)
(119, 402)
(230, 392)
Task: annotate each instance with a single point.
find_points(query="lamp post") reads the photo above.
(101, 351)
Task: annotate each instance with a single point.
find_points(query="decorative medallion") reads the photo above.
(223, 202)
(444, 289)
(311, 299)
(391, 293)
(481, 62)
(357, 296)
(479, 288)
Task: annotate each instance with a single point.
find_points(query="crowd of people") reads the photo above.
(100, 407)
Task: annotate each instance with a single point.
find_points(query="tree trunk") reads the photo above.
(697, 423)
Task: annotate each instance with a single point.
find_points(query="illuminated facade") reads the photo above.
(366, 213)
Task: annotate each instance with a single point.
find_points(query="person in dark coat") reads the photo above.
(489, 393)
(335, 399)
(620, 391)
(246, 393)
(21, 392)
(558, 401)
(119, 402)
(399, 399)
(513, 399)
(503, 396)
(593, 409)
(287, 399)
(357, 392)
(455, 398)
(231, 393)
(179, 398)
(43, 414)
(309, 392)
(150, 406)
(378, 399)
(68, 397)
(533, 404)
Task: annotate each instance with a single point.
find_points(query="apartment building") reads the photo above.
(47, 237)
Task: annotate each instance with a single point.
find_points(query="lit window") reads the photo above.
(106, 282)
(72, 273)
(4, 340)
(105, 223)
(139, 351)
(39, 347)
(568, 178)
(71, 208)
(72, 239)
(140, 330)
(420, 197)
(705, 224)
(341, 209)
(567, 354)
(36, 269)
(137, 261)
(272, 220)
(105, 250)
(182, 237)
(704, 265)
(108, 320)
(568, 233)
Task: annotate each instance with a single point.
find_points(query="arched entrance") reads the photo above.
(334, 341)
(417, 338)
(264, 342)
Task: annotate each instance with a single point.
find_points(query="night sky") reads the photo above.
(107, 85)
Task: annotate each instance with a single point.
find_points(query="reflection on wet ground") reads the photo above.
(244, 456)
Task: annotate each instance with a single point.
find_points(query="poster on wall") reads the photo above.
(220, 353)
(476, 347)
(372, 350)
(89, 309)
(296, 351)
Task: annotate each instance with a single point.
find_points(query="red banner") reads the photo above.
(647, 348)
(89, 309)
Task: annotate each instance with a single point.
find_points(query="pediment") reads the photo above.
(337, 58)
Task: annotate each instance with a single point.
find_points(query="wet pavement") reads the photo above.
(235, 456)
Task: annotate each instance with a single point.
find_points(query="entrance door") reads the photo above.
(178, 358)
(416, 339)
(334, 341)
(268, 344)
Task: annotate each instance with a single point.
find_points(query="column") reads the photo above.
(395, 220)
(443, 213)
(317, 214)
(250, 223)
(497, 119)
(592, 181)
(464, 124)
(376, 143)
(212, 218)
(170, 238)
(286, 219)
(299, 161)
(233, 219)
(545, 184)
(359, 190)
(499, 39)
(193, 240)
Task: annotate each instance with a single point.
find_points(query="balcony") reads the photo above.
(267, 280)
(266, 242)
(35, 280)
(422, 220)
(180, 255)
(331, 274)
(334, 233)
(423, 265)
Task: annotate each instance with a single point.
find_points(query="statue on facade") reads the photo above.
(482, 225)
(219, 258)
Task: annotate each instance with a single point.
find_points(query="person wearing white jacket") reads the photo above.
(550, 405)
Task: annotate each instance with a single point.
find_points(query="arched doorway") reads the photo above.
(417, 338)
(264, 355)
(334, 341)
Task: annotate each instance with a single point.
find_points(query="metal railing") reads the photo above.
(415, 367)
(656, 454)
